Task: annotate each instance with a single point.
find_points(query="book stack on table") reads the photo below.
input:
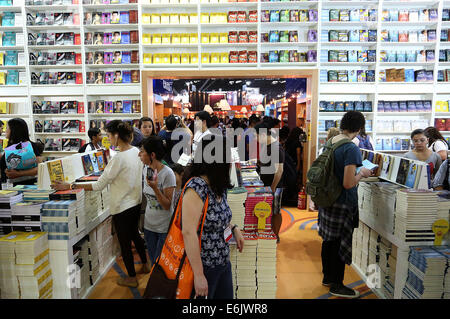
(236, 198)
(59, 219)
(385, 251)
(266, 265)
(9, 284)
(37, 195)
(26, 216)
(256, 195)
(7, 199)
(93, 204)
(246, 266)
(77, 195)
(83, 263)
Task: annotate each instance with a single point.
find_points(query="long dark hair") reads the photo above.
(19, 131)
(217, 171)
(433, 135)
(294, 136)
(147, 119)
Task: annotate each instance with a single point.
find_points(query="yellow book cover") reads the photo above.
(146, 38)
(147, 58)
(13, 237)
(156, 19)
(193, 38)
(184, 38)
(34, 235)
(185, 58)
(4, 107)
(2, 78)
(445, 107)
(175, 58)
(55, 171)
(205, 58)
(184, 18)
(224, 57)
(165, 38)
(205, 37)
(193, 18)
(214, 38)
(176, 38)
(223, 38)
(5, 141)
(1, 58)
(204, 17)
(157, 58)
(194, 58)
(222, 17)
(156, 38)
(215, 57)
(174, 18)
(166, 58)
(146, 18)
(165, 18)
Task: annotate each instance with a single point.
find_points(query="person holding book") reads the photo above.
(436, 142)
(96, 141)
(123, 174)
(159, 185)
(421, 152)
(17, 132)
(208, 178)
(336, 223)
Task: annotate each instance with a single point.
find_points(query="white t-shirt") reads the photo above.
(124, 175)
(89, 148)
(438, 146)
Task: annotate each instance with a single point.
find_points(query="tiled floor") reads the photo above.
(298, 261)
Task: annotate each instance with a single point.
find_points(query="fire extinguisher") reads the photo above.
(301, 204)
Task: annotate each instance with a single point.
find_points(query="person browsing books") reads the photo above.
(336, 222)
(159, 184)
(436, 142)
(209, 177)
(123, 175)
(17, 132)
(95, 136)
(421, 152)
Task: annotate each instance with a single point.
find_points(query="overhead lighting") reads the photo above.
(260, 108)
(238, 81)
(248, 83)
(274, 82)
(185, 110)
(244, 110)
(224, 106)
(208, 109)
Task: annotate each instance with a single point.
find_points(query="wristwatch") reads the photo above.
(72, 186)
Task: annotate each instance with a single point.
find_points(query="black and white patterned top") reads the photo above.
(214, 249)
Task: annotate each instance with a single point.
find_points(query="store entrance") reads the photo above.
(289, 97)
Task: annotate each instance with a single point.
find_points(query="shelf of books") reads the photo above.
(393, 223)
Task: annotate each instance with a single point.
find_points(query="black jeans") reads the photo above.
(126, 226)
(333, 267)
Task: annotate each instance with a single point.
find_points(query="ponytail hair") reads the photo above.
(123, 129)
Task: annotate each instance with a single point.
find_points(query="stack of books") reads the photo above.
(385, 251)
(445, 250)
(26, 216)
(416, 211)
(236, 198)
(443, 205)
(78, 196)
(93, 204)
(93, 262)
(374, 247)
(254, 197)
(7, 199)
(32, 266)
(390, 282)
(83, 262)
(9, 284)
(58, 219)
(246, 267)
(266, 265)
(385, 199)
(37, 195)
(365, 248)
(104, 242)
(426, 273)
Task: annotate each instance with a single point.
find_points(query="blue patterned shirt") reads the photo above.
(214, 249)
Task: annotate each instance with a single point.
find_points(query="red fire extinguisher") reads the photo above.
(301, 204)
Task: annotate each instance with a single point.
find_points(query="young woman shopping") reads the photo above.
(211, 261)
(436, 142)
(159, 184)
(124, 176)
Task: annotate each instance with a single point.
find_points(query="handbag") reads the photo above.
(20, 156)
(171, 277)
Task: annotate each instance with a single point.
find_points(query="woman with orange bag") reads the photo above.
(209, 176)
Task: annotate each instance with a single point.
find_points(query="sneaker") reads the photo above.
(343, 291)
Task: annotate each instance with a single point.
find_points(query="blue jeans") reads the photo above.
(155, 242)
(220, 281)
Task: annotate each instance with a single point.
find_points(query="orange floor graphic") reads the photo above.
(299, 267)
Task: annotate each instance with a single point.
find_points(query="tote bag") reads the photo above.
(171, 276)
(20, 156)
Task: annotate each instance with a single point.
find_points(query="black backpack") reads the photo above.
(83, 148)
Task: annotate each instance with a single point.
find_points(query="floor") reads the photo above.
(298, 258)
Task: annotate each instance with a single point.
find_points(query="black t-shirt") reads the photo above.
(267, 178)
(38, 148)
(291, 149)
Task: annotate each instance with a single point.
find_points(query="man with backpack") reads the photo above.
(96, 141)
(332, 185)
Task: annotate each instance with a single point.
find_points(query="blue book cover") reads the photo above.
(405, 144)
(352, 76)
(412, 174)
(330, 106)
(412, 106)
(127, 106)
(126, 77)
(403, 106)
(397, 143)
(409, 75)
(125, 37)
(124, 17)
(94, 162)
(352, 56)
(394, 106)
(368, 125)
(353, 36)
(387, 144)
(427, 106)
(380, 107)
(378, 144)
(322, 126)
(387, 106)
(339, 106)
(367, 106)
(419, 106)
(322, 106)
(359, 106)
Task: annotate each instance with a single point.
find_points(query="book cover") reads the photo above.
(100, 160)
(385, 169)
(55, 171)
(134, 56)
(411, 176)
(127, 106)
(397, 145)
(402, 171)
(94, 162)
(87, 164)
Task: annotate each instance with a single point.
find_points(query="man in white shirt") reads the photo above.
(202, 121)
(95, 136)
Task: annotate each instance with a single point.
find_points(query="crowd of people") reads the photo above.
(145, 183)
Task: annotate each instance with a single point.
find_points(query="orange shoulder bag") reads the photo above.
(171, 276)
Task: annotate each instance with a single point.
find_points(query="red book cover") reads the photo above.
(447, 125)
(135, 56)
(403, 16)
(76, 19)
(132, 1)
(77, 40)
(82, 127)
(440, 124)
(78, 58)
(133, 16)
(79, 78)
(134, 36)
(82, 141)
(80, 107)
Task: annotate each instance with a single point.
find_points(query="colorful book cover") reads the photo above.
(87, 164)
(100, 161)
(55, 171)
(94, 162)
(412, 175)
(127, 106)
(402, 171)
